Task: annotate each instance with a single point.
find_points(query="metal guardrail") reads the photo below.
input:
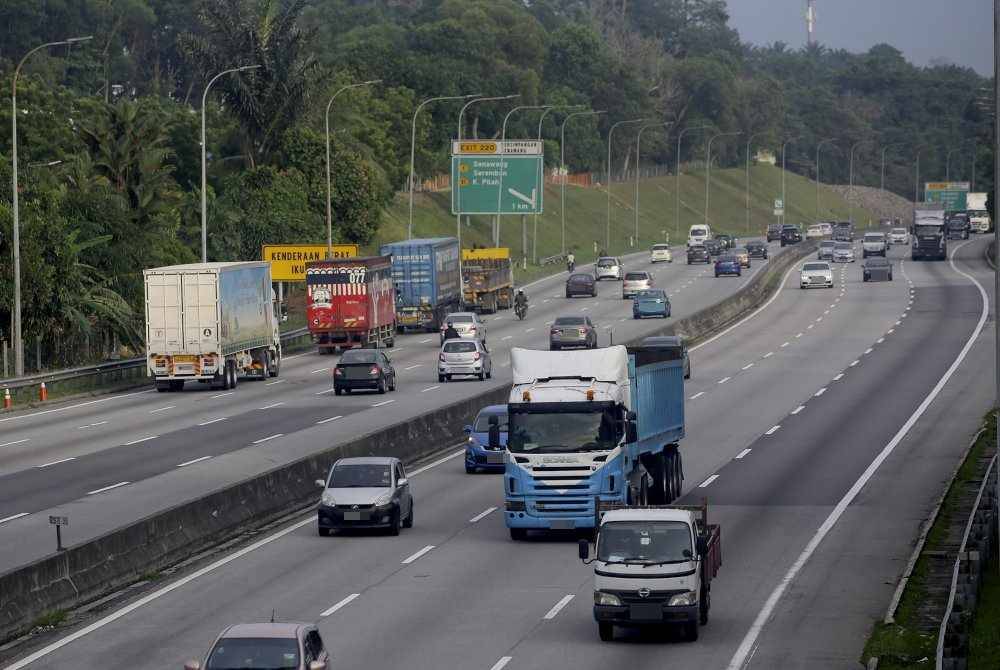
(100, 368)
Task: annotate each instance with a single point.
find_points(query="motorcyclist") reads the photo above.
(570, 262)
(520, 300)
(450, 333)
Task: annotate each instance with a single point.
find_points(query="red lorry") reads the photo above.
(351, 302)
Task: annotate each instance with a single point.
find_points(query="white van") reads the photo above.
(698, 235)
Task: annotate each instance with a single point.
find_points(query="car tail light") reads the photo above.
(338, 372)
(374, 370)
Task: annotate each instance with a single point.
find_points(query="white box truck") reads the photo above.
(212, 323)
(979, 216)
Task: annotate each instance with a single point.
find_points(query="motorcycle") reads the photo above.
(521, 310)
(570, 266)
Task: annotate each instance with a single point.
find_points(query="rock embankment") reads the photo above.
(885, 204)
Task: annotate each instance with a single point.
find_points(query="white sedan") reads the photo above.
(899, 236)
(661, 252)
(814, 233)
(816, 273)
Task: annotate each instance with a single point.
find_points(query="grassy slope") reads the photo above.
(586, 213)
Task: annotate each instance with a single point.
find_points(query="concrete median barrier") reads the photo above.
(92, 569)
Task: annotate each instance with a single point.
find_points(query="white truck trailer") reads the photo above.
(211, 323)
(979, 216)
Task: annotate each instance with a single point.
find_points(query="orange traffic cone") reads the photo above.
(7, 402)
(43, 393)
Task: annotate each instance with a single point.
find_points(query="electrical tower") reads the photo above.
(811, 22)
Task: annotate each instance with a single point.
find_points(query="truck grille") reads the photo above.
(564, 506)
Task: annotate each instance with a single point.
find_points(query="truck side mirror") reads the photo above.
(631, 429)
(583, 547)
(702, 545)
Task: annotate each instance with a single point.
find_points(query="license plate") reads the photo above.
(185, 359)
(355, 516)
(494, 458)
(645, 612)
(563, 524)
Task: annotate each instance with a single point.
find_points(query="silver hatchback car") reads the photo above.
(468, 324)
(464, 357)
(635, 282)
(291, 645)
(365, 492)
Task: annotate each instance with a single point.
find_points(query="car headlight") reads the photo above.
(383, 499)
(602, 598)
(327, 499)
(689, 598)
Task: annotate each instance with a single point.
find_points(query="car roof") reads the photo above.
(575, 319)
(823, 263)
(459, 314)
(493, 409)
(877, 261)
(368, 460)
(581, 275)
(828, 243)
(276, 630)
(641, 514)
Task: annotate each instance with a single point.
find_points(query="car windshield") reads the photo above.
(644, 542)
(660, 247)
(558, 432)
(899, 231)
(873, 237)
(815, 267)
(607, 263)
(453, 347)
(482, 424)
(877, 263)
(242, 653)
(581, 279)
(569, 321)
(843, 246)
(698, 232)
(650, 295)
(727, 259)
(362, 356)
(636, 276)
(826, 245)
(461, 318)
(360, 475)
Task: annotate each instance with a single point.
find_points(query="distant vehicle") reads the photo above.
(816, 273)
(284, 645)
(428, 285)
(843, 231)
(899, 236)
(364, 369)
(661, 253)
(487, 280)
(465, 358)
(773, 232)
(728, 265)
(843, 252)
(826, 227)
(468, 324)
(581, 284)
(635, 282)
(213, 323)
(351, 302)
(608, 267)
(814, 232)
(651, 302)
(979, 216)
(876, 269)
(714, 247)
(479, 453)
(362, 492)
(698, 254)
(743, 254)
(928, 239)
(873, 244)
(675, 343)
(958, 226)
(671, 553)
(757, 249)
(697, 234)
(572, 331)
(790, 234)
(825, 251)
(728, 240)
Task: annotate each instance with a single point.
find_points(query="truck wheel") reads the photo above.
(177, 385)
(162, 387)
(275, 368)
(606, 631)
(691, 631)
(390, 343)
(518, 534)
(706, 604)
(234, 375)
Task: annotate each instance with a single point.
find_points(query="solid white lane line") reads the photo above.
(697, 395)
(340, 604)
(838, 377)
(853, 363)
(798, 409)
(551, 614)
(211, 421)
(708, 481)
(222, 395)
(276, 381)
(14, 516)
(384, 402)
(482, 515)
(107, 488)
(502, 663)
(141, 439)
(749, 643)
(414, 367)
(747, 366)
(425, 341)
(332, 418)
(724, 380)
(192, 462)
(162, 409)
(277, 404)
(743, 453)
(785, 344)
(868, 351)
(820, 392)
(430, 388)
(412, 557)
(269, 437)
(314, 372)
(10, 444)
(773, 429)
(769, 354)
(91, 425)
(323, 392)
(506, 337)
(82, 404)
(61, 460)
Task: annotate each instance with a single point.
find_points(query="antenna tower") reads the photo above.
(811, 22)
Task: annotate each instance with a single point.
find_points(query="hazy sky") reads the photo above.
(957, 31)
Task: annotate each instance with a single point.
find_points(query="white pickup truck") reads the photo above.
(653, 565)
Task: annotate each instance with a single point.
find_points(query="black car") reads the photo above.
(877, 268)
(698, 254)
(728, 240)
(715, 247)
(756, 249)
(959, 227)
(364, 369)
(790, 234)
(581, 284)
(773, 232)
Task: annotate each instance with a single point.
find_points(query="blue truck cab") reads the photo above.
(427, 278)
(589, 427)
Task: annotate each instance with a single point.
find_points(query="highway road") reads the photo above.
(821, 430)
(113, 460)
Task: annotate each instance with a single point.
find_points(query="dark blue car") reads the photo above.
(478, 455)
(728, 265)
(651, 302)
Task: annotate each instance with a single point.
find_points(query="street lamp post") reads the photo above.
(677, 179)
(16, 232)
(204, 177)
(819, 146)
(882, 171)
(413, 148)
(638, 141)
(850, 192)
(749, 141)
(562, 170)
(784, 147)
(524, 219)
(541, 120)
(708, 165)
(916, 180)
(607, 228)
(329, 196)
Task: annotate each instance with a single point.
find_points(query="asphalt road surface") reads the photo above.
(794, 425)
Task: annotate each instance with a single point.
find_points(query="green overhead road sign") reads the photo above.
(952, 194)
(481, 182)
